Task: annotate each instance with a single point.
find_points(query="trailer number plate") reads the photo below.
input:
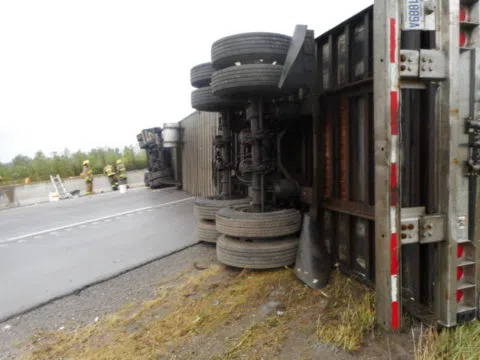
(413, 15)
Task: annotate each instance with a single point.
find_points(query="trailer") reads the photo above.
(370, 135)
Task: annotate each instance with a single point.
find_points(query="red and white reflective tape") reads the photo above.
(394, 131)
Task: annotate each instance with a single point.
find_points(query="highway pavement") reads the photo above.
(53, 249)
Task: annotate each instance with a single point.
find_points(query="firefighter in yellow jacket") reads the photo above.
(87, 174)
(122, 172)
(108, 170)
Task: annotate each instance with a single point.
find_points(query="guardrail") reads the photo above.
(28, 194)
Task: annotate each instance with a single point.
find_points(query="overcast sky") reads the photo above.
(89, 73)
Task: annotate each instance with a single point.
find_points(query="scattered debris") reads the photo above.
(6, 327)
(199, 267)
(269, 307)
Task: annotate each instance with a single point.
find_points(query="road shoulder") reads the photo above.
(95, 302)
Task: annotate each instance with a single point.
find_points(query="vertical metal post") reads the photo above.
(456, 296)
(387, 178)
(256, 177)
(262, 175)
(475, 186)
(225, 153)
(445, 303)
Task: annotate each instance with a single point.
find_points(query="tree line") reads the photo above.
(69, 164)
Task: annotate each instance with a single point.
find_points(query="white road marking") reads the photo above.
(164, 189)
(53, 231)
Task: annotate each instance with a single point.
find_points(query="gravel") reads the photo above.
(92, 303)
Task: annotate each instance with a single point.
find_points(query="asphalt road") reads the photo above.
(52, 249)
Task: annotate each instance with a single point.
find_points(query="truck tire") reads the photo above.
(156, 184)
(204, 100)
(247, 81)
(206, 207)
(201, 75)
(207, 232)
(158, 178)
(250, 47)
(238, 221)
(257, 253)
(161, 174)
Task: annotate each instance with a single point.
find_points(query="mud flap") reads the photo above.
(313, 265)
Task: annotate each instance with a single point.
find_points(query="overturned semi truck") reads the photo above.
(158, 144)
(360, 147)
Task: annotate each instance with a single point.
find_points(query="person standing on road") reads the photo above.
(122, 172)
(87, 174)
(108, 170)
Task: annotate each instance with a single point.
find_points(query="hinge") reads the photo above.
(424, 64)
(416, 227)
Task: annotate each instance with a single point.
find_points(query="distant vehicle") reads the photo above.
(160, 170)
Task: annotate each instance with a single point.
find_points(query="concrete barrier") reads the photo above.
(29, 194)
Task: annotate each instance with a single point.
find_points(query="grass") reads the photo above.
(460, 343)
(349, 316)
(216, 314)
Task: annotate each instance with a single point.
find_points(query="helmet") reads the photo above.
(119, 161)
(86, 162)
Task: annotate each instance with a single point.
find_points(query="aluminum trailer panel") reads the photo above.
(395, 111)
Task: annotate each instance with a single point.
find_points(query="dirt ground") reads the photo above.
(209, 311)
